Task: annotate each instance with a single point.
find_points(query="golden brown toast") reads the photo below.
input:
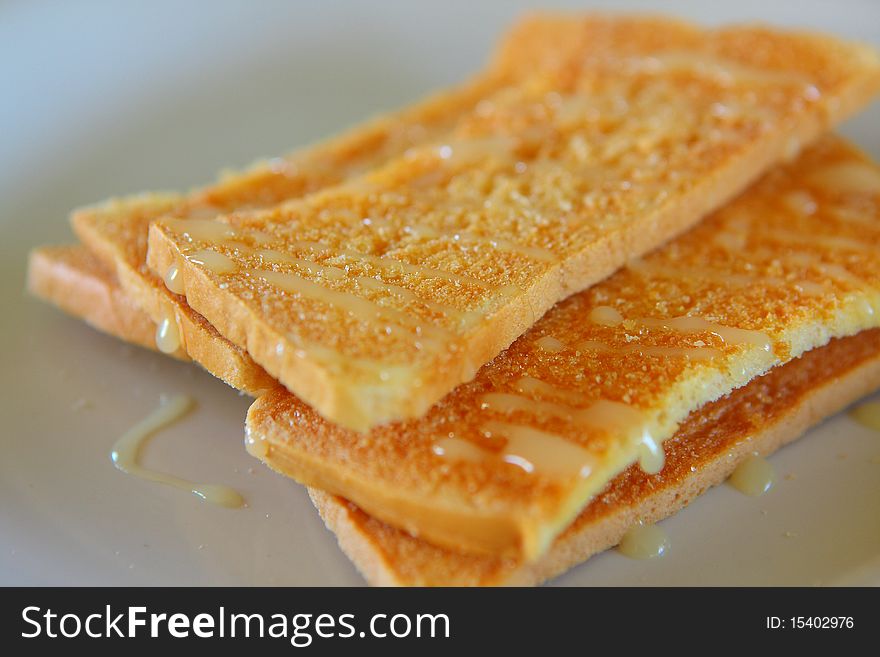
(373, 299)
(760, 417)
(507, 461)
(116, 230)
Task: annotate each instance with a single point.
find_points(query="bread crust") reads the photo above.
(789, 265)
(803, 393)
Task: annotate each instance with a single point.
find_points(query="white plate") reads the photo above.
(113, 98)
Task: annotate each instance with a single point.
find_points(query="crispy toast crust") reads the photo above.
(609, 372)
(621, 134)
(789, 400)
(761, 417)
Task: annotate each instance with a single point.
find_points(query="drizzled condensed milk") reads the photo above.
(126, 454)
(644, 542)
(867, 414)
(608, 316)
(168, 339)
(213, 261)
(540, 452)
(753, 477)
(174, 280)
(537, 451)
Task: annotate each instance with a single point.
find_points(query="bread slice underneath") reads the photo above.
(761, 417)
(76, 281)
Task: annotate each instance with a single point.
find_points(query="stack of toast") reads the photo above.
(497, 329)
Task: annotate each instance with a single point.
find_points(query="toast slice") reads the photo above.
(116, 230)
(767, 413)
(760, 417)
(506, 462)
(373, 299)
